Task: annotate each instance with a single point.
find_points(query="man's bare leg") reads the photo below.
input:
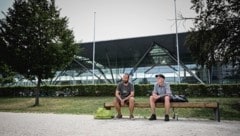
(118, 107)
(152, 101)
(152, 104)
(131, 106)
(167, 104)
(167, 107)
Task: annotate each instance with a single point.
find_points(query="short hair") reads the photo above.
(126, 74)
(160, 75)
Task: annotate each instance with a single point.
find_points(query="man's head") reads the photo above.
(125, 78)
(160, 78)
(160, 75)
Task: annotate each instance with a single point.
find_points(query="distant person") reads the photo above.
(161, 93)
(124, 95)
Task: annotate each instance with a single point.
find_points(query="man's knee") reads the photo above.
(167, 98)
(116, 102)
(131, 99)
(152, 98)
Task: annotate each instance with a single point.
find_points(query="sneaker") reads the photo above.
(153, 117)
(166, 118)
(119, 116)
(131, 116)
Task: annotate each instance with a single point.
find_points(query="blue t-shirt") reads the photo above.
(162, 90)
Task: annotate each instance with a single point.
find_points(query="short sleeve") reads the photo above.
(118, 87)
(155, 88)
(132, 88)
(168, 89)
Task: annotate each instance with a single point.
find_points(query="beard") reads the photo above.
(125, 81)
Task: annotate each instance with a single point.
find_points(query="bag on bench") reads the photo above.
(179, 98)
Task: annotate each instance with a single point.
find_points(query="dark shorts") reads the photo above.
(162, 99)
(126, 102)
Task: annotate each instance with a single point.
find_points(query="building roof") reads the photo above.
(128, 52)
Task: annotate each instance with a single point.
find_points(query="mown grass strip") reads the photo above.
(229, 107)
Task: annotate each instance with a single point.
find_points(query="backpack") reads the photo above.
(179, 98)
(102, 113)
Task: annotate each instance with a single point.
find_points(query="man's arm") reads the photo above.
(128, 97)
(117, 94)
(154, 92)
(168, 90)
(155, 95)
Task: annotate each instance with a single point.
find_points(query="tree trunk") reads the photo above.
(210, 75)
(37, 92)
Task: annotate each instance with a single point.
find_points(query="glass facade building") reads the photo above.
(142, 58)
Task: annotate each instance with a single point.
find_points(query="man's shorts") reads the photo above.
(162, 99)
(126, 102)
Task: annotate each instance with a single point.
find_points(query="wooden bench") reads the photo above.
(210, 105)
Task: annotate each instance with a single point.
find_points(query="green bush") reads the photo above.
(179, 89)
(190, 90)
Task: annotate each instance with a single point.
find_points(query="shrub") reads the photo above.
(190, 90)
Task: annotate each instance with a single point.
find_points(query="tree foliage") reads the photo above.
(216, 35)
(6, 74)
(35, 40)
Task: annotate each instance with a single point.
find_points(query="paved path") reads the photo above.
(35, 124)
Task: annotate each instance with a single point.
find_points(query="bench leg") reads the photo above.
(217, 113)
(175, 115)
(107, 108)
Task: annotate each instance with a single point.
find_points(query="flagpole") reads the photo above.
(178, 60)
(93, 63)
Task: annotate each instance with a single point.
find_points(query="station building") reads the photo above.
(142, 58)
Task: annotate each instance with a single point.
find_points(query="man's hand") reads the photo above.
(122, 102)
(156, 96)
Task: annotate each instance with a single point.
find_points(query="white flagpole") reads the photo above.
(178, 60)
(93, 63)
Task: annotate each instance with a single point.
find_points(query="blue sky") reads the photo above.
(118, 19)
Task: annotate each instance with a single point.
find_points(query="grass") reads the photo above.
(229, 107)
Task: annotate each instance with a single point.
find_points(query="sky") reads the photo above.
(120, 19)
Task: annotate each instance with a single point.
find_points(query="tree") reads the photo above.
(6, 74)
(35, 40)
(144, 81)
(215, 37)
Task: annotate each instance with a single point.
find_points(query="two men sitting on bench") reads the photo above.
(125, 95)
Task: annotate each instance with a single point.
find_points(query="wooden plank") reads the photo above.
(173, 105)
(195, 105)
(212, 105)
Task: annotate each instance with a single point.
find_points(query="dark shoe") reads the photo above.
(131, 116)
(153, 117)
(166, 118)
(119, 116)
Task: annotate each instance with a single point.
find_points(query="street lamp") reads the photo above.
(93, 63)
(178, 60)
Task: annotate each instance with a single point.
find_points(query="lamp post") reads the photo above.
(93, 62)
(178, 60)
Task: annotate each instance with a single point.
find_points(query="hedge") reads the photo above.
(190, 90)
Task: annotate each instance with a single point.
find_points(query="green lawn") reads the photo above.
(229, 107)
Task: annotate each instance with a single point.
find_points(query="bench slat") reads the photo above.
(173, 105)
(212, 105)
